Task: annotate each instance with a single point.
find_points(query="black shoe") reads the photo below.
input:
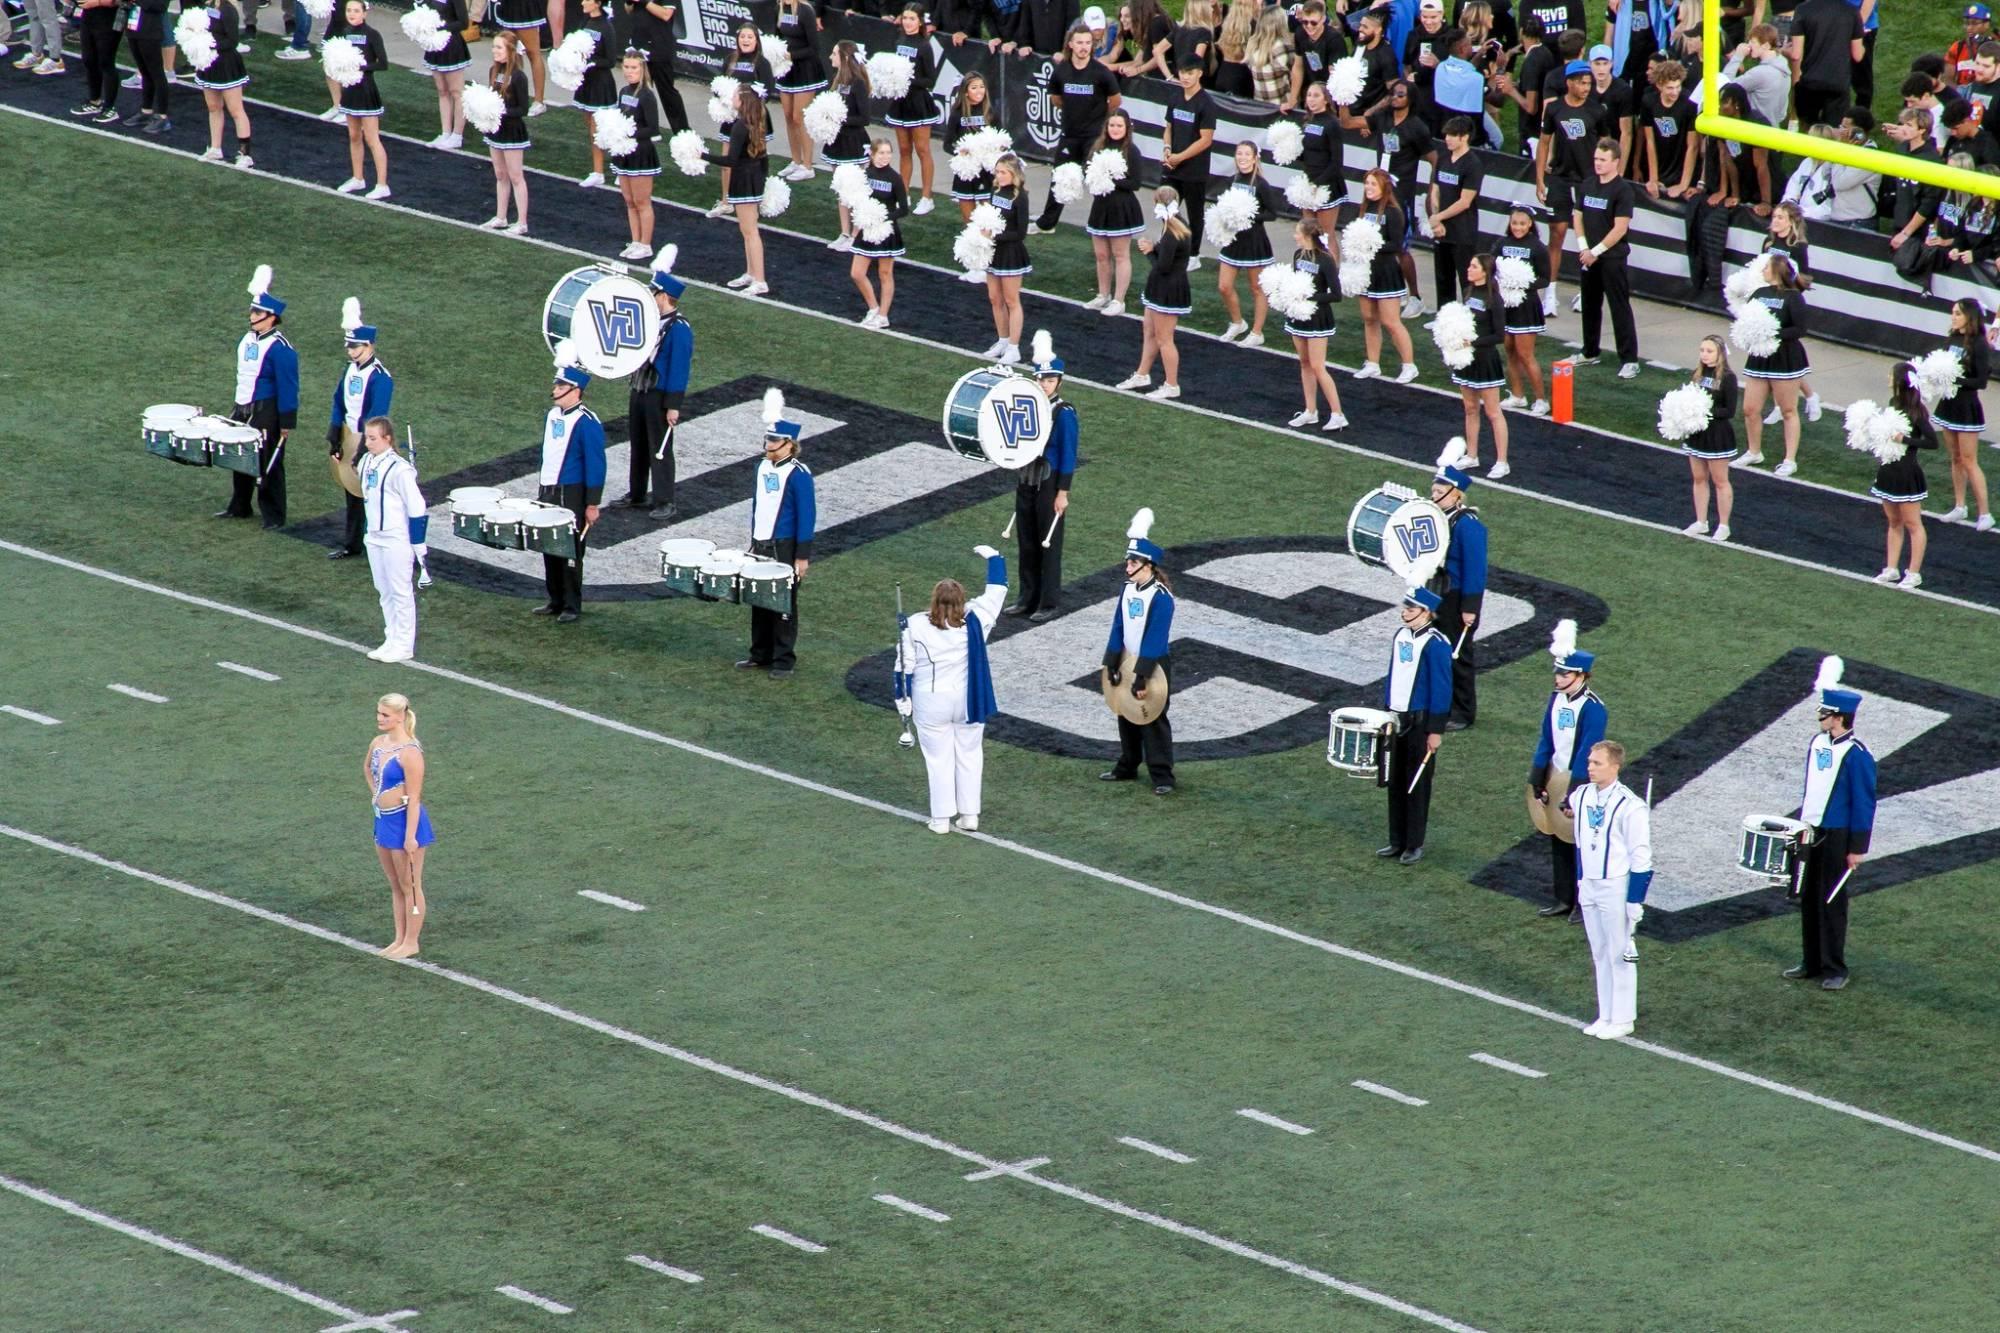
(227, 513)
(109, 116)
(1045, 614)
(566, 617)
(1575, 917)
(341, 553)
(1456, 725)
(752, 664)
(1015, 610)
(1556, 910)
(1835, 982)
(545, 609)
(159, 125)
(136, 118)
(1113, 775)
(1799, 973)
(661, 513)
(272, 527)
(1411, 857)
(87, 109)
(1388, 852)
(1163, 789)
(781, 673)
(630, 502)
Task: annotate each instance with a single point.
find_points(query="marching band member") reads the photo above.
(1614, 862)
(1461, 584)
(267, 397)
(1041, 494)
(394, 772)
(1418, 691)
(572, 476)
(948, 689)
(1839, 803)
(397, 519)
(782, 518)
(1572, 721)
(1143, 619)
(658, 390)
(637, 169)
(363, 391)
(362, 103)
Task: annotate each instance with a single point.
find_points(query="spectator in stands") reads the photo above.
(1944, 236)
(1045, 26)
(1316, 44)
(1456, 180)
(1825, 47)
(1569, 48)
(1525, 89)
(1856, 190)
(1978, 241)
(1460, 90)
(1570, 128)
(1985, 85)
(1620, 105)
(1962, 56)
(1666, 121)
(1552, 18)
(1780, 13)
(1810, 186)
(1916, 203)
(1400, 140)
(1107, 34)
(1920, 94)
(1272, 60)
(1767, 82)
(1232, 65)
(1963, 134)
(1194, 38)
(1746, 168)
(1427, 47)
(1377, 60)
(1153, 34)
(1635, 29)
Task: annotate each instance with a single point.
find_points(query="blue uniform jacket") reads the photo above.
(583, 458)
(278, 378)
(1060, 452)
(1592, 718)
(792, 534)
(374, 399)
(1465, 564)
(674, 360)
(1155, 647)
(1851, 804)
(1430, 697)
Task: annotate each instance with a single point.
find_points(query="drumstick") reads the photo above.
(276, 454)
(1008, 531)
(665, 440)
(1461, 642)
(410, 440)
(1050, 535)
(1418, 776)
(1838, 886)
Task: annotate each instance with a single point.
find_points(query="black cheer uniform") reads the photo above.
(851, 144)
(1902, 482)
(746, 173)
(1527, 317)
(1320, 159)
(1485, 370)
(1251, 247)
(454, 55)
(1118, 213)
(1385, 271)
(1167, 285)
(363, 98)
(1010, 247)
(512, 131)
(1789, 362)
(798, 25)
(599, 89)
(1963, 410)
(1326, 290)
(227, 71)
(637, 102)
(958, 124)
(885, 184)
(1718, 438)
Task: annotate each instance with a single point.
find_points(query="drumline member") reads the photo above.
(267, 397)
(1249, 251)
(1041, 494)
(798, 24)
(603, 78)
(1166, 297)
(1614, 867)
(1461, 583)
(394, 768)
(1418, 690)
(913, 114)
(658, 390)
(1710, 451)
(1839, 804)
(362, 103)
(1144, 620)
(947, 688)
(364, 390)
(447, 66)
(887, 186)
(397, 519)
(1573, 720)
(782, 520)
(637, 169)
(572, 476)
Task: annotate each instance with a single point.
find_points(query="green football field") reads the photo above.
(821, 1003)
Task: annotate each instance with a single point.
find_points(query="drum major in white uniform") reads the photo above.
(946, 686)
(396, 519)
(1614, 865)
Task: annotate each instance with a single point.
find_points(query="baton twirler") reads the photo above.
(1839, 884)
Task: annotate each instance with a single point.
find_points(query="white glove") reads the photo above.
(905, 706)
(984, 552)
(1633, 911)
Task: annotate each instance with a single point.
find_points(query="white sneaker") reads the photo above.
(1613, 1031)
(293, 53)
(1407, 373)
(1010, 355)
(841, 242)
(1549, 300)
(739, 282)
(881, 322)
(1412, 306)
(244, 162)
(1194, 263)
(377, 654)
(1698, 528)
(334, 115)
(1985, 523)
(721, 210)
(1513, 400)
(1750, 460)
(1470, 465)
(923, 206)
(379, 192)
(1786, 468)
(1370, 370)
(758, 289)
(212, 155)
(438, 140)
(493, 224)
(243, 48)
(592, 181)
(537, 109)
(353, 185)
(517, 229)
(1722, 532)
(1499, 470)
(1236, 329)
(1252, 340)
(635, 251)
(1166, 391)
(993, 352)
(795, 172)
(1593, 1028)
(1539, 408)
(1774, 416)
(1955, 514)
(974, 275)
(1133, 382)
(1302, 419)
(1889, 574)
(1037, 229)
(389, 654)
(939, 826)
(1813, 408)
(1113, 308)
(1098, 302)
(454, 141)
(968, 823)
(867, 321)
(1629, 371)
(1912, 579)
(1335, 422)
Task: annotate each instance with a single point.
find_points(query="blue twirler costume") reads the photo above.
(1573, 720)
(365, 389)
(658, 390)
(267, 397)
(1461, 583)
(392, 825)
(1036, 493)
(946, 686)
(1418, 691)
(1839, 803)
(1142, 624)
(572, 476)
(783, 517)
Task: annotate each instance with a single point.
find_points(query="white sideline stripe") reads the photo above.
(787, 1238)
(1266, 1118)
(1035, 853)
(251, 672)
(355, 1319)
(1507, 1065)
(610, 901)
(370, 1323)
(139, 694)
(1020, 1168)
(529, 1298)
(42, 718)
(654, 1265)
(928, 1214)
(1155, 1149)
(1019, 1171)
(1394, 1096)
(842, 321)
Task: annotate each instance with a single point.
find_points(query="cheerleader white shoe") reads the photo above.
(1236, 329)
(795, 172)
(1956, 514)
(1813, 407)
(1113, 308)
(353, 185)
(1252, 340)
(1786, 468)
(1133, 382)
(454, 141)
(1098, 302)
(1407, 373)
(1722, 532)
(1335, 422)
(1514, 401)
(758, 289)
(518, 229)
(740, 281)
(976, 275)
(841, 242)
(635, 251)
(212, 155)
(1539, 408)
(923, 206)
(493, 224)
(244, 162)
(1010, 355)
(538, 108)
(1698, 528)
(1749, 460)
(592, 181)
(1912, 579)
(1301, 419)
(721, 210)
(1774, 416)
(1369, 371)
(867, 321)
(1889, 574)
(999, 346)
(1166, 391)
(1499, 470)
(379, 192)
(1985, 523)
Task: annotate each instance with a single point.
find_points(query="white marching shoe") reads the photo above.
(1133, 382)
(968, 824)
(939, 826)
(1613, 1031)
(1591, 1029)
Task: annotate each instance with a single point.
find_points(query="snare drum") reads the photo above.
(157, 423)
(1394, 527)
(1771, 845)
(1355, 739)
(235, 447)
(719, 574)
(549, 529)
(767, 583)
(190, 444)
(500, 523)
(468, 504)
(997, 416)
(681, 559)
(610, 319)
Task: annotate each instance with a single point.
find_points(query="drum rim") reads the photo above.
(455, 492)
(1378, 714)
(171, 412)
(533, 519)
(1784, 825)
(684, 542)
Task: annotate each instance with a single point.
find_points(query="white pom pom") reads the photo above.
(1938, 374)
(342, 61)
(1685, 412)
(1454, 334)
(774, 406)
(195, 40)
(776, 55)
(964, 162)
(973, 249)
(260, 280)
(1066, 183)
(1104, 171)
(722, 92)
(350, 313)
(1142, 525)
(570, 61)
(1042, 347)
(615, 133)
(1360, 242)
(1515, 276)
(825, 115)
(777, 197)
(1873, 429)
(1303, 195)
(1229, 217)
(1286, 142)
(1345, 79)
(1755, 331)
(1831, 669)
(422, 26)
(871, 219)
(989, 145)
(319, 9)
(1289, 291)
(1563, 642)
(890, 75)
(987, 220)
(850, 184)
(484, 108)
(1741, 285)
(686, 151)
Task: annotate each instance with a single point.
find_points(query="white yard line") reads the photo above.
(1143, 1146)
(359, 1325)
(998, 1169)
(144, 695)
(787, 1238)
(1507, 1065)
(1266, 1118)
(251, 672)
(1019, 1171)
(1394, 1096)
(916, 1209)
(527, 1297)
(31, 716)
(355, 1319)
(668, 1270)
(610, 901)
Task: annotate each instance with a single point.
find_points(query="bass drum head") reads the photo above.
(1403, 533)
(610, 319)
(998, 416)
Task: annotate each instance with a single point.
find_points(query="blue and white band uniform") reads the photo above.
(364, 391)
(950, 687)
(397, 519)
(252, 351)
(1840, 788)
(781, 509)
(1614, 856)
(1419, 679)
(1569, 728)
(1143, 622)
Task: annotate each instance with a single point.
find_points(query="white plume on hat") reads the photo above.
(1042, 347)
(664, 261)
(774, 406)
(1454, 453)
(1830, 669)
(566, 355)
(1142, 524)
(260, 281)
(1563, 642)
(350, 313)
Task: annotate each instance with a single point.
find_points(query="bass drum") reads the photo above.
(998, 417)
(1136, 709)
(610, 319)
(1397, 529)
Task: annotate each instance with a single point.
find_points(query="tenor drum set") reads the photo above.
(696, 567)
(181, 433)
(484, 515)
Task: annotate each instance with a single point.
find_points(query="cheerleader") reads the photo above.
(1142, 623)
(1249, 251)
(971, 109)
(524, 19)
(744, 163)
(1900, 485)
(1479, 383)
(1319, 163)
(1961, 417)
(1115, 218)
(222, 85)
(913, 114)
(798, 24)
(886, 185)
(850, 147)
(944, 684)
(602, 79)
(1010, 258)
(1166, 297)
(447, 66)
(1381, 302)
(1779, 374)
(751, 71)
(635, 170)
(1709, 450)
(509, 139)
(362, 103)
(1524, 322)
(336, 24)
(1309, 335)
(1787, 237)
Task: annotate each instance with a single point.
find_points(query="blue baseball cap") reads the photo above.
(1575, 68)
(1978, 12)
(1600, 52)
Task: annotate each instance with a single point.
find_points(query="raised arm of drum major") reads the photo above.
(1060, 452)
(1850, 804)
(983, 610)
(673, 362)
(278, 377)
(1465, 562)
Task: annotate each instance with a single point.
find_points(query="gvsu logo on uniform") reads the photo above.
(619, 324)
(1418, 537)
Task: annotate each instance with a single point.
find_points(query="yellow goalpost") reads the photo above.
(1778, 139)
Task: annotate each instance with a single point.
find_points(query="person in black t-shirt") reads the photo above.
(1666, 120)
(1825, 46)
(1603, 214)
(1620, 104)
(1316, 44)
(1184, 152)
(1377, 59)
(1085, 92)
(1964, 135)
(1524, 88)
(1456, 180)
(1423, 51)
(1555, 17)
(1400, 139)
(1563, 162)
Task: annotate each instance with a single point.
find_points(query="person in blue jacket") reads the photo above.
(1041, 495)
(1142, 623)
(1573, 720)
(782, 520)
(1461, 583)
(572, 476)
(658, 390)
(1839, 803)
(267, 397)
(1418, 691)
(364, 391)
